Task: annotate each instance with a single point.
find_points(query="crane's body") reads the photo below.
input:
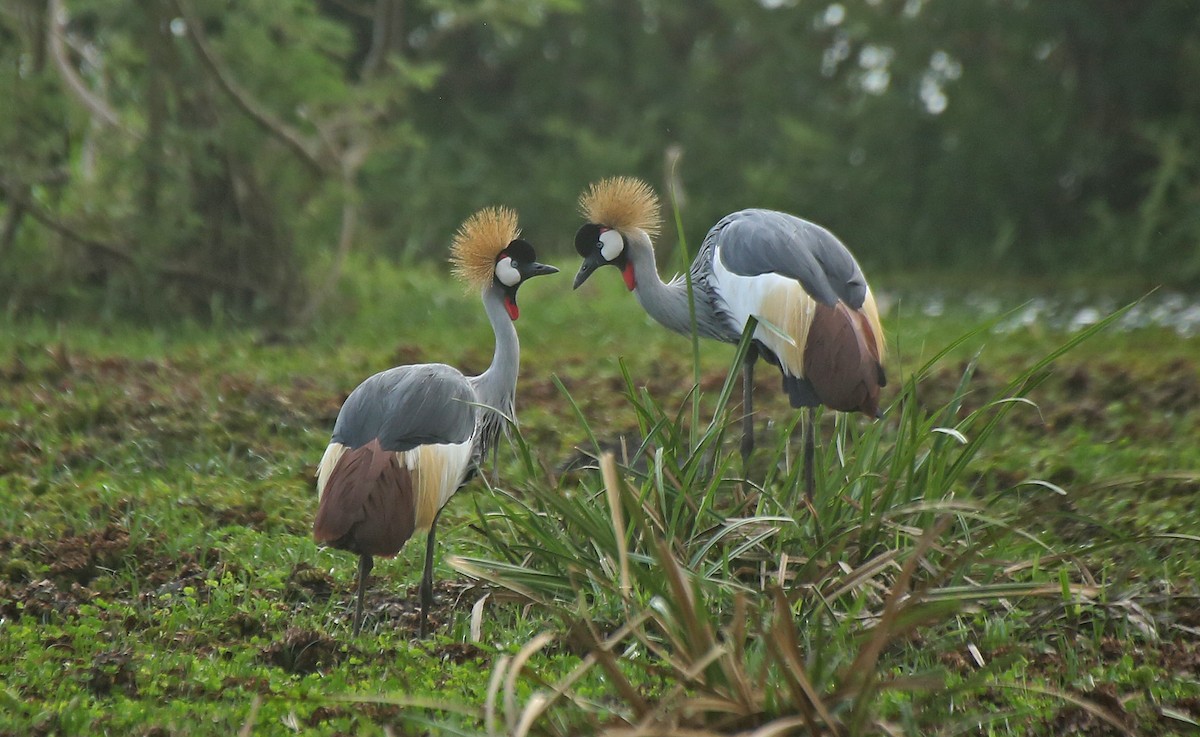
(817, 320)
(407, 438)
(403, 443)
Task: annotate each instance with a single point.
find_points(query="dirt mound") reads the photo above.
(302, 651)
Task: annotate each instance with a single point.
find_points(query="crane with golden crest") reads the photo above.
(407, 438)
(816, 317)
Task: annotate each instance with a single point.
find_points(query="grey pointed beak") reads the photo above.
(589, 265)
(537, 269)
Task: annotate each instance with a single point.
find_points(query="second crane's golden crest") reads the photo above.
(478, 241)
(622, 203)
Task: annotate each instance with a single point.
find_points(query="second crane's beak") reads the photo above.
(590, 264)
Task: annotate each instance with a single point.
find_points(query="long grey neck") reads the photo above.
(668, 302)
(497, 386)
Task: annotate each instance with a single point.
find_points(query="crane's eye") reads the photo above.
(611, 244)
(507, 273)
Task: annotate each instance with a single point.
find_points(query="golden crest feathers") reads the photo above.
(478, 241)
(622, 203)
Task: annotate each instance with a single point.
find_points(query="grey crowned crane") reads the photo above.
(817, 319)
(407, 438)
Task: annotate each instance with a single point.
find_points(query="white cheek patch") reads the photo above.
(611, 244)
(507, 273)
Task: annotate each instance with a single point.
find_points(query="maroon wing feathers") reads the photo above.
(367, 506)
(841, 360)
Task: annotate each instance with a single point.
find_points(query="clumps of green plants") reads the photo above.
(707, 604)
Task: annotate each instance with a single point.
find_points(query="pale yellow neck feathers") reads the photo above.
(622, 203)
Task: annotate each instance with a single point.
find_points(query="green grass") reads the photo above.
(157, 576)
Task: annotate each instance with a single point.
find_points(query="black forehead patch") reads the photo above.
(586, 238)
(520, 251)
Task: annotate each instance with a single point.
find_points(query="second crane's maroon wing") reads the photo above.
(799, 277)
(840, 360)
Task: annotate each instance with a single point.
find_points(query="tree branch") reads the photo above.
(17, 198)
(182, 272)
(385, 29)
(96, 105)
(275, 127)
(357, 8)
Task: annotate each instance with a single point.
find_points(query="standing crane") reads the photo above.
(816, 318)
(407, 438)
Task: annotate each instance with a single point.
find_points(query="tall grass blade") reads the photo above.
(612, 485)
(787, 651)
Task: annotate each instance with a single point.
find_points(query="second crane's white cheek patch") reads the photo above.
(611, 244)
(507, 273)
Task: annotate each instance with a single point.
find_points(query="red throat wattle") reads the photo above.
(630, 280)
(511, 306)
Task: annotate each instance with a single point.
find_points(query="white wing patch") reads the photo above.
(333, 454)
(773, 299)
(437, 471)
(872, 312)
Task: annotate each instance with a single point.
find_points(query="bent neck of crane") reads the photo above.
(496, 385)
(667, 303)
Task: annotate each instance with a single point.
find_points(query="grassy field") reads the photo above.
(1012, 550)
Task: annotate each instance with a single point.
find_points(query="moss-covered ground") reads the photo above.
(157, 576)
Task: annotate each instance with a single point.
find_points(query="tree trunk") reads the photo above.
(387, 29)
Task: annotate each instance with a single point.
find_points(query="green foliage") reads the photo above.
(773, 622)
(210, 158)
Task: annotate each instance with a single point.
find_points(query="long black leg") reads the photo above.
(810, 440)
(427, 578)
(748, 404)
(365, 564)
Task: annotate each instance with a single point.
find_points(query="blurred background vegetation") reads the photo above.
(179, 157)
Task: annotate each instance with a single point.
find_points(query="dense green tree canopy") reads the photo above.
(185, 155)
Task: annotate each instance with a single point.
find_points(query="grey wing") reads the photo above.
(753, 242)
(408, 406)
